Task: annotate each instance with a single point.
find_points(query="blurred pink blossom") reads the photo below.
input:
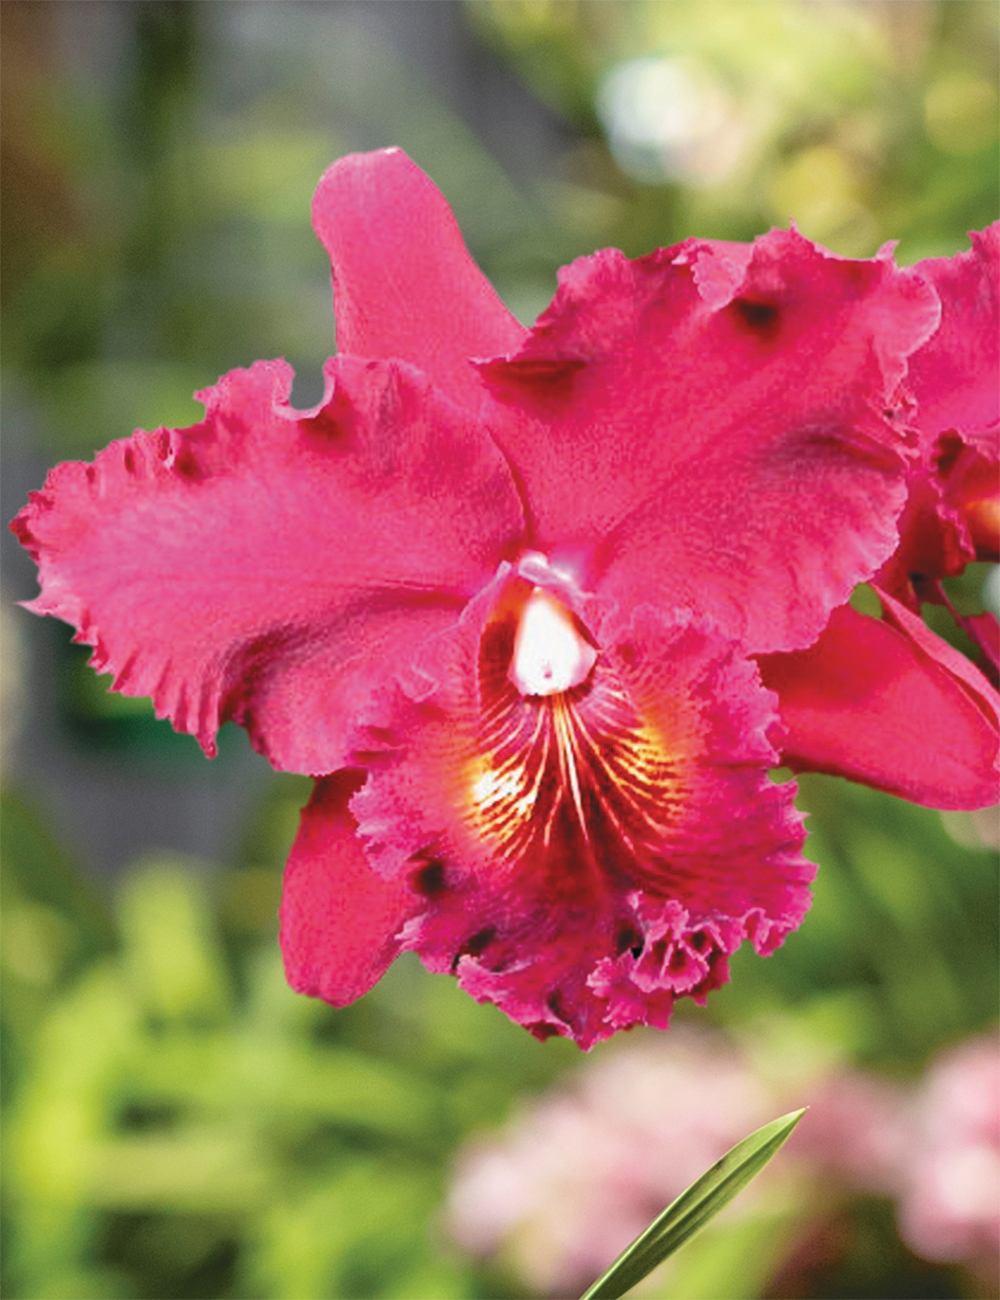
(950, 1206)
(583, 1170)
(856, 1130)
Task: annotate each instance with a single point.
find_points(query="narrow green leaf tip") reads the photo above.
(694, 1207)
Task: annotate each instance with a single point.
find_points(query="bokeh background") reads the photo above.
(177, 1123)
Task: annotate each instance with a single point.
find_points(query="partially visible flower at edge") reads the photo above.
(504, 592)
(951, 517)
(953, 513)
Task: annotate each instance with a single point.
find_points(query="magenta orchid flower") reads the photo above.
(873, 669)
(503, 591)
(953, 512)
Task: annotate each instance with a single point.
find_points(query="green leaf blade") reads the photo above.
(694, 1208)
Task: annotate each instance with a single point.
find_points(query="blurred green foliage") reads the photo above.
(155, 219)
(177, 1122)
(861, 122)
(894, 957)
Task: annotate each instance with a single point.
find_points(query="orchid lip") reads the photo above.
(550, 655)
(565, 769)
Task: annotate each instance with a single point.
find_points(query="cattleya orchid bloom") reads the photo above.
(951, 517)
(953, 512)
(503, 592)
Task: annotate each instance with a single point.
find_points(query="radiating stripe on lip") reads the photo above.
(576, 776)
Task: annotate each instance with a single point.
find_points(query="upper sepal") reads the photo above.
(404, 283)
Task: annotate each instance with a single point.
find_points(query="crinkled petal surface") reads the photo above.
(955, 376)
(267, 565)
(951, 518)
(953, 513)
(339, 920)
(577, 821)
(404, 283)
(589, 856)
(712, 430)
(891, 705)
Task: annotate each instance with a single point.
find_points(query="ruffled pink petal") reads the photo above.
(404, 283)
(588, 857)
(891, 705)
(266, 565)
(953, 513)
(934, 537)
(339, 920)
(706, 430)
(955, 376)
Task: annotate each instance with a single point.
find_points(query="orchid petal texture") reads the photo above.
(925, 719)
(504, 593)
(338, 918)
(952, 514)
(727, 416)
(262, 565)
(895, 678)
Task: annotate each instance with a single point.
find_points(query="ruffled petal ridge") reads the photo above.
(952, 516)
(955, 374)
(585, 859)
(265, 565)
(652, 394)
